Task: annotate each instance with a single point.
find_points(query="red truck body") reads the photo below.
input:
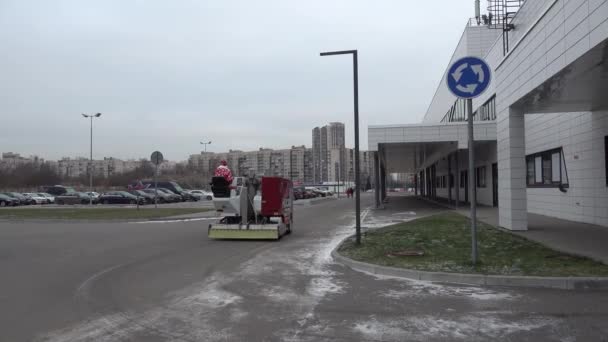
(277, 197)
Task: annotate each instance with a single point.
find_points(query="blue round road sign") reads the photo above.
(469, 77)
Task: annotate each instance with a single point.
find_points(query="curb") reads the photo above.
(562, 283)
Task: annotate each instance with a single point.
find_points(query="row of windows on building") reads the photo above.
(458, 111)
(441, 182)
(546, 169)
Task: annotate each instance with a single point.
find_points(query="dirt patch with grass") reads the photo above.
(442, 243)
(96, 213)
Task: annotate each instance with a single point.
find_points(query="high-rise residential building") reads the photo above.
(325, 140)
(316, 155)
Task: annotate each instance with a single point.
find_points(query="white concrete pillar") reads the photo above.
(511, 153)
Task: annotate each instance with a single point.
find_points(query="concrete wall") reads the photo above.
(582, 137)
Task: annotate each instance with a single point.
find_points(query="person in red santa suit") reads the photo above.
(224, 171)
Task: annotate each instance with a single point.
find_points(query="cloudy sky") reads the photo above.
(243, 74)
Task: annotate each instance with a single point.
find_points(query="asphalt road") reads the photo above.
(168, 282)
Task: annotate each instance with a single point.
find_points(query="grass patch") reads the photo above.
(446, 242)
(96, 213)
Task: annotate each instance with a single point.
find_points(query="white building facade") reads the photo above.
(541, 129)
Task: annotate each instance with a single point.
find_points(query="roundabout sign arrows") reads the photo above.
(469, 77)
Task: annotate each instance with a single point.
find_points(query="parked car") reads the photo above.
(74, 198)
(37, 199)
(318, 192)
(57, 190)
(49, 197)
(22, 200)
(298, 194)
(172, 195)
(148, 198)
(310, 194)
(120, 197)
(93, 194)
(162, 196)
(173, 187)
(202, 194)
(6, 201)
(324, 191)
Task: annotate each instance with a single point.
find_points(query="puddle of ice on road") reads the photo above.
(482, 325)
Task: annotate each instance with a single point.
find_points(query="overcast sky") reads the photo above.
(243, 74)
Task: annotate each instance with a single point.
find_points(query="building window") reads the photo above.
(480, 176)
(463, 179)
(546, 169)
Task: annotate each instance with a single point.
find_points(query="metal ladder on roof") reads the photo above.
(500, 16)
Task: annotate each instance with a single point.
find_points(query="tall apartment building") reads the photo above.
(316, 155)
(328, 143)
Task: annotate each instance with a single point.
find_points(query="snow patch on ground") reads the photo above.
(381, 331)
(108, 328)
(211, 296)
(320, 287)
(185, 317)
(480, 326)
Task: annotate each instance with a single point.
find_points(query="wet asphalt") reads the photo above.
(166, 281)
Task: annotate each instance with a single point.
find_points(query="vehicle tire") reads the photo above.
(161, 200)
(209, 198)
(106, 202)
(132, 202)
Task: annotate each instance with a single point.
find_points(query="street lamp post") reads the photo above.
(91, 155)
(206, 143)
(356, 110)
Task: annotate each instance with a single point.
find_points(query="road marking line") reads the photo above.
(95, 276)
(176, 220)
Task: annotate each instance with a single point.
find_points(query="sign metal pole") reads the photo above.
(155, 187)
(468, 78)
(472, 183)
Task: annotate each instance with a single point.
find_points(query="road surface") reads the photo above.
(167, 282)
